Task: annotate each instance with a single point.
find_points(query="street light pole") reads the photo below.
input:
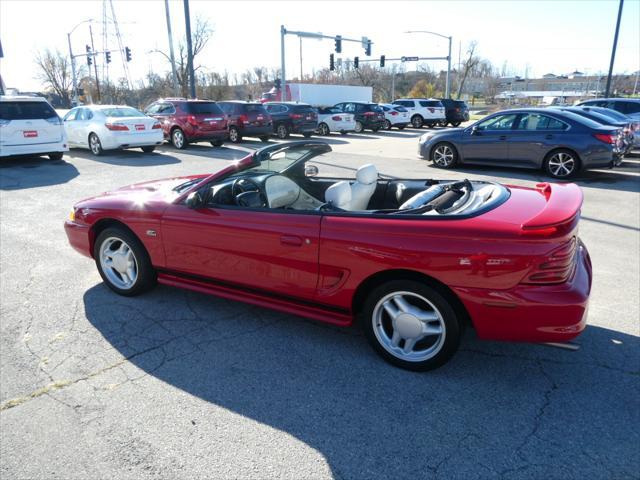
(192, 76)
(283, 84)
(74, 77)
(613, 51)
(171, 54)
(447, 87)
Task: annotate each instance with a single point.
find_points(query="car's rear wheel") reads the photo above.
(323, 129)
(95, 145)
(387, 125)
(417, 121)
(444, 155)
(234, 135)
(359, 127)
(282, 131)
(149, 149)
(178, 139)
(56, 156)
(411, 325)
(123, 262)
(455, 124)
(562, 164)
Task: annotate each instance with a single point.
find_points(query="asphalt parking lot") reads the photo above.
(179, 384)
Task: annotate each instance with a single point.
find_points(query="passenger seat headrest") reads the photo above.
(339, 194)
(367, 174)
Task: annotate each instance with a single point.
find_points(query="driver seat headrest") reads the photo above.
(367, 174)
(339, 195)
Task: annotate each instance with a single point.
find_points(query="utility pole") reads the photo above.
(613, 51)
(171, 54)
(74, 78)
(393, 82)
(95, 64)
(192, 79)
(283, 78)
(300, 38)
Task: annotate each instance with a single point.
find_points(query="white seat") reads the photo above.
(364, 186)
(339, 195)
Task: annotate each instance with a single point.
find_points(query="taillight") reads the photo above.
(295, 116)
(431, 109)
(336, 118)
(369, 114)
(606, 137)
(556, 267)
(243, 118)
(192, 120)
(118, 127)
(393, 113)
(457, 109)
(156, 126)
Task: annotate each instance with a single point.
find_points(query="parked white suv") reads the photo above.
(30, 126)
(423, 111)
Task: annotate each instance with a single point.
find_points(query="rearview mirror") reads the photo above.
(310, 170)
(194, 200)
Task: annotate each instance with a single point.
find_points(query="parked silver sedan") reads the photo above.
(109, 127)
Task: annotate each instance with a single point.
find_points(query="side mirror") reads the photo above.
(474, 130)
(194, 200)
(310, 170)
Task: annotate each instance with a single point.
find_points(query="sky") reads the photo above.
(532, 37)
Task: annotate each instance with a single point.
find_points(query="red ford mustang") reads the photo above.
(412, 260)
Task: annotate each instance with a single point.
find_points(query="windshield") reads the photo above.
(121, 112)
(26, 110)
(281, 158)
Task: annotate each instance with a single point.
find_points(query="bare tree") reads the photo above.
(469, 64)
(200, 36)
(55, 73)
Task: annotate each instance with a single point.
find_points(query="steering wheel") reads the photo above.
(243, 186)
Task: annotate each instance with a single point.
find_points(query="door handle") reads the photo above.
(292, 240)
(502, 137)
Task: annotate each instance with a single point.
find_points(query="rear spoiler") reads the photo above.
(563, 205)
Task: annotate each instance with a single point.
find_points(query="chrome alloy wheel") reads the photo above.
(408, 326)
(118, 263)
(562, 164)
(94, 144)
(233, 135)
(443, 156)
(178, 138)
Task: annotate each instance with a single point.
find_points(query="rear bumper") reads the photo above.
(78, 236)
(304, 127)
(373, 124)
(196, 135)
(529, 313)
(253, 131)
(152, 137)
(35, 149)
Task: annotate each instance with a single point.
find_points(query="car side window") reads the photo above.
(349, 107)
(501, 122)
(71, 115)
(360, 108)
(535, 121)
(82, 114)
(152, 109)
(166, 109)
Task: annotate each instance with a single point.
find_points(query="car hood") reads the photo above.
(447, 132)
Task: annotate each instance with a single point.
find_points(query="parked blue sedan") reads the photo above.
(561, 143)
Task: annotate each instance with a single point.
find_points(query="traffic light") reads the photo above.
(338, 44)
(107, 56)
(381, 61)
(89, 59)
(356, 62)
(332, 65)
(127, 53)
(367, 49)
(277, 83)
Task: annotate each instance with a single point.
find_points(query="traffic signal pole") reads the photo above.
(95, 64)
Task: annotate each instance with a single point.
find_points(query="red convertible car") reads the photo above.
(413, 260)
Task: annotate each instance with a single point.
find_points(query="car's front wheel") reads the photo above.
(323, 129)
(178, 139)
(387, 125)
(417, 121)
(444, 155)
(123, 262)
(411, 325)
(359, 127)
(95, 145)
(562, 164)
(282, 131)
(234, 135)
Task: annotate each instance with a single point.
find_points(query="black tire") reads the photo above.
(417, 121)
(217, 143)
(178, 139)
(264, 139)
(95, 145)
(455, 124)
(234, 135)
(282, 131)
(145, 273)
(387, 125)
(359, 127)
(307, 134)
(566, 158)
(149, 149)
(323, 129)
(56, 156)
(444, 155)
(401, 127)
(436, 348)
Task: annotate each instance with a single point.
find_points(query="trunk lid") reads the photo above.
(206, 116)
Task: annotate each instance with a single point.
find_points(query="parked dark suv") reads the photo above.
(368, 115)
(627, 106)
(291, 117)
(247, 119)
(185, 121)
(456, 112)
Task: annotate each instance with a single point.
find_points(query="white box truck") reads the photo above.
(319, 95)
